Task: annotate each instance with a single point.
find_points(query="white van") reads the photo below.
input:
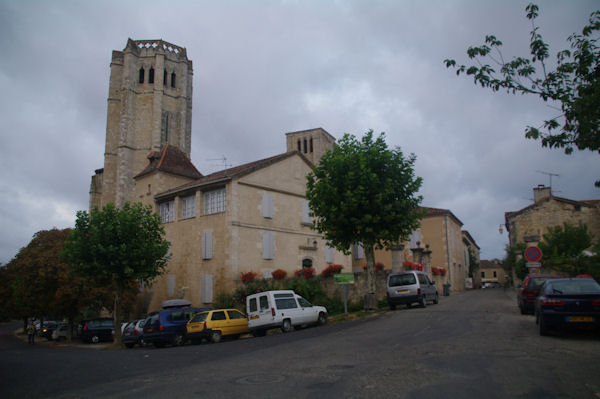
(281, 309)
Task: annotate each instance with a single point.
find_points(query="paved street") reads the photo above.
(471, 345)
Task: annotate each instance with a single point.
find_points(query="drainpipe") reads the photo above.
(448, 251)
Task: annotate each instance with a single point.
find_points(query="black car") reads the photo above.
(97, 330)
(568, 302)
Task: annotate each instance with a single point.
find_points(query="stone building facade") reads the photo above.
(529, 224)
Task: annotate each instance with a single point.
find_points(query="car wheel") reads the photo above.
(259, 333)
(436, 299)
(542, 328)
(392, 306)
(95, 339)
(322, 320)
(286, 326)
(129, 345)
(423, 302)
(522, 309)
(179, 339)
(215, 337)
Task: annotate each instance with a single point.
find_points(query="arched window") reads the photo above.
(306, 263)
(311, 145)
(299, 146)
(141, 78)
(305, 147)
(165, 78)
(151, 75)
(173, 79)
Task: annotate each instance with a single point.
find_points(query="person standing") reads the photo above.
(31, 332)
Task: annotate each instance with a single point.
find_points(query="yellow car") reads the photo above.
(215, 324)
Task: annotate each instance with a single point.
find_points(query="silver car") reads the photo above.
(410, 287)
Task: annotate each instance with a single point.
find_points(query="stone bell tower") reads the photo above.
(149, 105)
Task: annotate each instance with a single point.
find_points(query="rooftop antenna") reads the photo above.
(549, 175)
(223, 160)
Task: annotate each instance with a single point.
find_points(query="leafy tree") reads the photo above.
(575, 83)
(364, 192)
(473, 263)
(515, 261)
(118, 248)
(563, 248)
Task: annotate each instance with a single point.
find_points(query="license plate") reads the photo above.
(578, 319)
(254, 317)
(401, 291)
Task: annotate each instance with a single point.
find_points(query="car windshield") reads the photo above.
(536, 282)
(584, 286)
(402, 279)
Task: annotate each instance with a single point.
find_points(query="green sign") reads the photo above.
(343, 278)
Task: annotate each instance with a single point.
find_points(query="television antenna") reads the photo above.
(223, 160)
(549, 176)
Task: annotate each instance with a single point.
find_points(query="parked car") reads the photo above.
(97, 330)
(133, 334)
(530, 290)
(48, 328)
(215, 324)
(281, 309)
(61, 332)
(568, 302)
(491, 284)
(167, 326)
(408, 287)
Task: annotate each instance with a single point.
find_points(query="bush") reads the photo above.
(253, 287)
(224, 301)
(306, 272)
(331, 270)
(248, 277)
(279, 274)
(308, 288)
(378, 267)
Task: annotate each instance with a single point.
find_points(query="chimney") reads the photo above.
(540, 193)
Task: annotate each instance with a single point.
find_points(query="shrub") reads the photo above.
(307, 288)
(279, 274)
(225, 301)
(306, 272)
(435, 271)
(253, 287)
(412, 266)
(248, 277)
(331, 270)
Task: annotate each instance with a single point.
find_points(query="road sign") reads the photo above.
(533, 264)
(343, 278)
(533, 254)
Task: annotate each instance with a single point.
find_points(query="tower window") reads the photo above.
(164, 135)
(151, 75)
(173, 79)
(141, 77)
(305, 147)
(311, 145)
(299, 146)
(165, 77)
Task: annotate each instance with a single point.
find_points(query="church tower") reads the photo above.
(149, 106)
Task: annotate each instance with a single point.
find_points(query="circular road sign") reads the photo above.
(533, 254)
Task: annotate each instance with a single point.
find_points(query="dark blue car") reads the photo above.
(568, 302)
(167, 326)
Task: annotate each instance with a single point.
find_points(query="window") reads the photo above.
(306, 218)
(141, 77)
(267, 205)
(164, 131)
(264, 302)
(286, 303)
(305, 147)
(311, 145)
(220, 315)
(482, 274)
(358, 251)
(151, 75)
(188, 207)
(214, 201)
(165, 77)
(252, 306)
(306, 263)
(207, 245)
(299, 146)
(268, 245)
(234, 314)
(166, 211)
(304, 303)
(173, 79)
(495, 274)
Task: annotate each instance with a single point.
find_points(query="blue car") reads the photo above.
(568, 302)
(167, 326)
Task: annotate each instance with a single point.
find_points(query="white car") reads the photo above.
(60, 332)
(281, 309)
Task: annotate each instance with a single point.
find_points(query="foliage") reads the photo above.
(224, 301)
(563, 248)
(254, 287)
(332, 269)
(379, 267)
(306, 272)
(435, 271)
(515, 261)
(308, 288)
(413, 266)
(117, 248)
(574, 83)
(248, 277)
(443, 271)
(362, 191)
(279, 274)
(473, 263)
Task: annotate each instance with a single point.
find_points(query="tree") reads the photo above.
(473, 262)
(575, 83)
(514, 260)
(364, 192)
(118, 248)
(563, 248)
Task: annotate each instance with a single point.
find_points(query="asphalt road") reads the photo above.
(471, 345)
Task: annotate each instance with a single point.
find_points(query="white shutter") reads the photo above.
(207, 245)
(359, 252)
(207, 288)
(306, 219)
(328, 254)
(414, 238)
(268, 245)
(267, 205)
(171, 284)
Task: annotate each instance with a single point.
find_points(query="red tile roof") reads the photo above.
(170, 159)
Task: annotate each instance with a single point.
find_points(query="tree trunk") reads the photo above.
(370, 296)
(117, 312)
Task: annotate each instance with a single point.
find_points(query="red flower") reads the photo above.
(331, 270)
(279, 274)
(248, 277)
(306, 272)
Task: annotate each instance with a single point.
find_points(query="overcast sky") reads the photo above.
(264, 68)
